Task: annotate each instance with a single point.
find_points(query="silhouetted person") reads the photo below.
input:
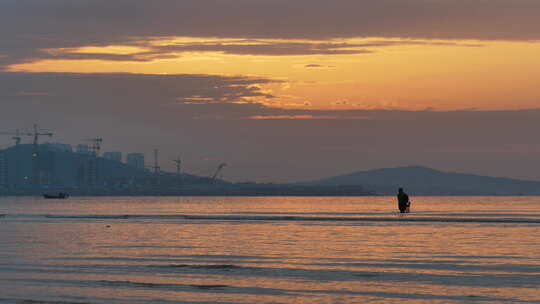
(403, 201)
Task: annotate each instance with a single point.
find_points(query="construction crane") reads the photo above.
(156, 167)
(16, 136)
(36, 134)
(178, 163)
(219, 168)
(96, 145)
(35, 154)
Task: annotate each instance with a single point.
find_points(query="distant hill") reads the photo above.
(426, 181)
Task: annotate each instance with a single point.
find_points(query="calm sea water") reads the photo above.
(270, 250)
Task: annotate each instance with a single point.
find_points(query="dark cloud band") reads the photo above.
(28, 27)
(103, 19)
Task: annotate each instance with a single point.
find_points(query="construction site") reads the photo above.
(38, 168)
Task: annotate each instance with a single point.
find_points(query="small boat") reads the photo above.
(56, 196)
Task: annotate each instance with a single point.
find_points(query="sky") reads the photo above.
(281, 90)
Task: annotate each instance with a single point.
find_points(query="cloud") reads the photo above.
(476, 19)
(82, 94)
(139, 57)
(257, 47)
(124, 95)
(284, 47)
(28, 27)
(153, 49)
(291, 117)
(176, 50)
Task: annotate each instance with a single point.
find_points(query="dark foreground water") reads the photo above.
(270, 250)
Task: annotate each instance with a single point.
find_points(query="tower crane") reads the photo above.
(157, 169)
(36, 134)
(96, 145)
(35, 154)
(16, 136)
(178, 163)
(219, 168)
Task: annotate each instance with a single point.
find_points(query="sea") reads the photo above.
(269, 250)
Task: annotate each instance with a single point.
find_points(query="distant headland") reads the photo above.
(419, 180)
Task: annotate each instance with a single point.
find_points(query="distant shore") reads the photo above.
(200, 190)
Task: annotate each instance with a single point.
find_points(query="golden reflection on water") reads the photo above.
(163, 259)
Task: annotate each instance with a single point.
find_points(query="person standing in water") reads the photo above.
(403, 201)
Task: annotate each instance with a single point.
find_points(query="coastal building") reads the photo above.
(88, 172)
(114, 156)
(60, 168)
(58, 147)
(3, 169)
(83, 149)
(135, 160)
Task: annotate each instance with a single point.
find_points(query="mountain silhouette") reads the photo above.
(421, 180)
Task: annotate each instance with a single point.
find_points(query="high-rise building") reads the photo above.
(135, 160)
(46, 167)
(3, 169)
(59, 147)
(88, 172)
(83, 149)
(115, 156)
(59, 169)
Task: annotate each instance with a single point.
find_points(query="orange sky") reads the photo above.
(406, 74)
